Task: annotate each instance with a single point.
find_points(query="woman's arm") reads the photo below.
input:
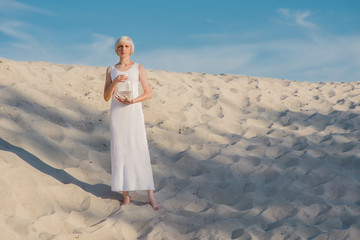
(147, 94)
(109, 87)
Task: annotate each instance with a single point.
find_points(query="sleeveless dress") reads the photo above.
(130, 158)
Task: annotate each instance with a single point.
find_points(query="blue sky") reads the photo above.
(304, 40)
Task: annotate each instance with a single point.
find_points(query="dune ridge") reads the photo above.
(233, 156)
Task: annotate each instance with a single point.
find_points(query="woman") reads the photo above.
(130, 159)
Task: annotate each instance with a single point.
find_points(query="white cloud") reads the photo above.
(327, 58)
(298, 18)
(212, 36)
(98, 52)
(284, 11)
(210, 59)
(12, 5)
(13, 29)
(25, 44)
(226, 36)
(22, 43)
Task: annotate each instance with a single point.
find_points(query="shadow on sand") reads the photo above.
(98, 190)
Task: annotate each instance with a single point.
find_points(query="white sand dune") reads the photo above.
(234, 157)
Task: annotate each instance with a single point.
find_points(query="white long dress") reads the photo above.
(130, 158)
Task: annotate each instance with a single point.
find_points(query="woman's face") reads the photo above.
(124, 49)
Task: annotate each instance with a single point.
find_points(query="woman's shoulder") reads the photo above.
(140, 66)
(109, 69)
(112, 68)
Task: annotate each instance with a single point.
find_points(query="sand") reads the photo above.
(233, 156)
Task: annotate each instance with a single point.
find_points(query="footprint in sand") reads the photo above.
(258, 98)
(326, 138)
(353, 105)
(208, 103)
(287, 162)
(284, 113)
(350, 146)
(197, 80)
(331, 94)
(246, 102)
(186, 131)
(340, 102)
(295, 94)
(191, 166)
(233, 90)
(237, 233)
(270, 175)
(300, 144)
(287, 83)
(253, 82)
(250, 160)
(283, 97)
(220, 112)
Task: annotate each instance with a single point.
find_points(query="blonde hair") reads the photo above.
(124, 39)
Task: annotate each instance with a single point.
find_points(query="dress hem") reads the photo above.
(133, 190)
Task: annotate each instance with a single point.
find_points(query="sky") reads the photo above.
(299, 40)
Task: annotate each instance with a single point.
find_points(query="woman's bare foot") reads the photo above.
(126, 201)
(153, 203)
(126, 198)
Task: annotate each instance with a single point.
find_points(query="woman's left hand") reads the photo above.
(124, 100)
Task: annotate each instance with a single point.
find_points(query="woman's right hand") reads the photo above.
(120, 78)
